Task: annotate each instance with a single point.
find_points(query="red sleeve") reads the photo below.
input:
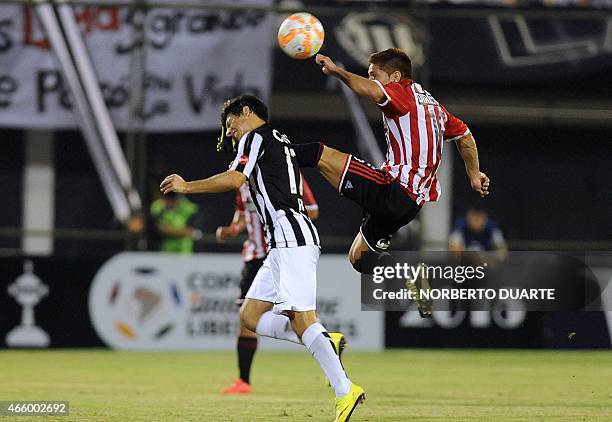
(308, 197)
(454, 127)
(397, 100)
(239, 203)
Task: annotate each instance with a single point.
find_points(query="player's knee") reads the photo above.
(248, 318)
(354, 260)
(289, 314)
(361, 266)
(302, 320)
(308, 154)
(356, 263)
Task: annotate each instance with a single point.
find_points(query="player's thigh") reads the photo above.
(265, 283)
(251, 310)
(262, 293)
(249, 271)
(332, 164)
(364, 184)
(297, 278)
(397, 210)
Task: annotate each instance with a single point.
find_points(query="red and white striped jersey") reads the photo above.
(415, 127)
(255, 246)
(310, 203)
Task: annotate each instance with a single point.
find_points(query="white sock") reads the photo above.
(276, 326)
(321, 348)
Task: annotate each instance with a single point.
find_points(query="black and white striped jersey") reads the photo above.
(267, 159)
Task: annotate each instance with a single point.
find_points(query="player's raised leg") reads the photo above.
(331, 162)
(256, 315)
(332, 165)
(368, 184)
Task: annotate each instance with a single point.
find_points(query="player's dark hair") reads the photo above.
(391, 60)
(236, 104)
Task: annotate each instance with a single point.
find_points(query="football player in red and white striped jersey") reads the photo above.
(416, 126)
(254, 251)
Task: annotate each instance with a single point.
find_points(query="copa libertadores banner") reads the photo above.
(195, 59)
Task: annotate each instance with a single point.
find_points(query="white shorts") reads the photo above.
(288, 279)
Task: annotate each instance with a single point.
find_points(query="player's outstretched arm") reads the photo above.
(360, 85)
(234, 229)
(469, 153)
(222, 182)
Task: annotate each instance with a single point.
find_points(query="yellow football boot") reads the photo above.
(345, 405)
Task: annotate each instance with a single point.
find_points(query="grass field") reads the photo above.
(401, 385)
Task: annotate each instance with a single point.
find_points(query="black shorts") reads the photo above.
(246, 277)
(386, 205)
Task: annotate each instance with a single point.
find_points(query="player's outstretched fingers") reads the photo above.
(166, 180)
(485, 182)
(327, 65)
(172, 183)
(164, 187)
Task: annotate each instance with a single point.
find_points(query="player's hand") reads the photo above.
(327, 65)
(196, 234)
(222, 233)
(173, 183)
(225, 232)
(481, 184)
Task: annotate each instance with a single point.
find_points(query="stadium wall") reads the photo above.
(539, 202)
(150, 301)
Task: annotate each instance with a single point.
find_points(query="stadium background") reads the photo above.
(531, 79)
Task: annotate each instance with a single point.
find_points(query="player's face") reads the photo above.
(375, 73)
(236, 126)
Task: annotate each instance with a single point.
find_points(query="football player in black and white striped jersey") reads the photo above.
(284, 289)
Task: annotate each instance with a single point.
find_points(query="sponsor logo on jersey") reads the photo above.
(426, 99)
(243, 160)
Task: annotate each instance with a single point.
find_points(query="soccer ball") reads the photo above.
(301, 35)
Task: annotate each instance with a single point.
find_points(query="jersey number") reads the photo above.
(292, 185)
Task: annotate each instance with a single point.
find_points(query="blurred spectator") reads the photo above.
(477, 232)
(136, 227)
(172, 214)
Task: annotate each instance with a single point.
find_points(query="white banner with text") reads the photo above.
(195, 60)
(153, 301)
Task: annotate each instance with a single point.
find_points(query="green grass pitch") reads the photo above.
(423, 385)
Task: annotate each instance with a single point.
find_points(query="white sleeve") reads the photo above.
(388, 98)
(249, 150)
